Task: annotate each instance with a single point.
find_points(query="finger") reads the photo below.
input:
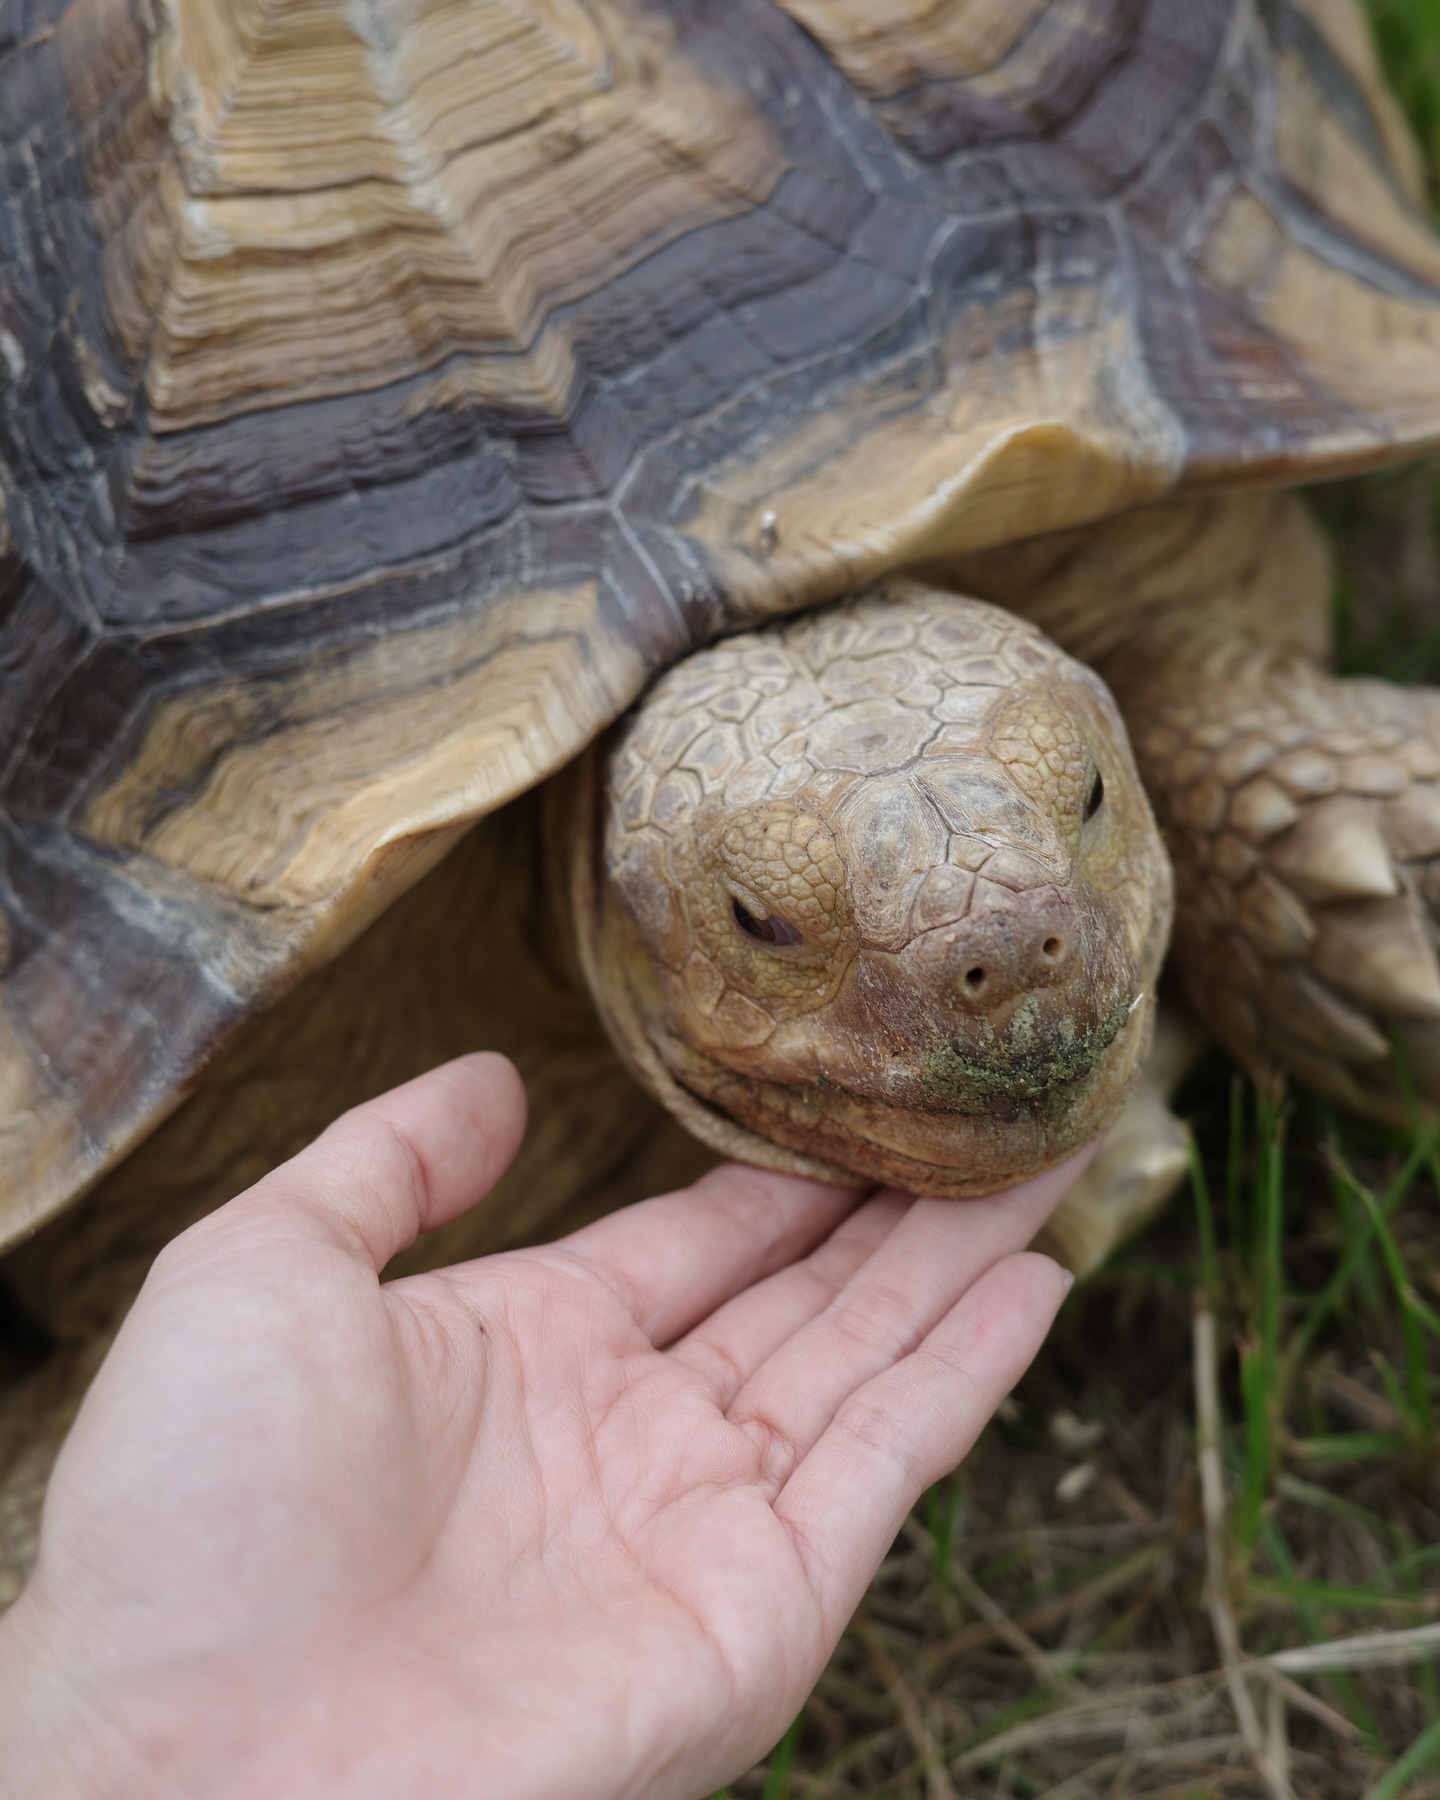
(726, 1349)
(676, 1258)
(912, 1424)
(414, 1158)
(937, 1251)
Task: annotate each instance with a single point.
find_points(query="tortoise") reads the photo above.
(902, 393)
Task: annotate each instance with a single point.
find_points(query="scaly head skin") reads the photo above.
(878, 890)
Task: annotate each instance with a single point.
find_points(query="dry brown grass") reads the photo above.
(1044, 1625)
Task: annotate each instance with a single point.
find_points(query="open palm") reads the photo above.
(573, 1521)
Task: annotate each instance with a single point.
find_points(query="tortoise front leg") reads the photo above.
(1142, 1160)
(1301, 811)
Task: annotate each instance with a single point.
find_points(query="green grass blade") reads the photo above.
(1423, 1314)
(1340, 1596)
(1348, 1446)
(1262, 1380)
(1414, 1404)
(1415, 1564)
(777, 1774)
(1422, 1154)
(943, 1504)
(1423, 1757)
(1259, 1445)
(1235, 1159)
(1272, 1230)
(1399, 1401)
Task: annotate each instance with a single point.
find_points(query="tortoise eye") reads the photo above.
(1096, 798)
(773, 930)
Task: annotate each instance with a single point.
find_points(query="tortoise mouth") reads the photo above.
(956, 1077)
(959, 1125)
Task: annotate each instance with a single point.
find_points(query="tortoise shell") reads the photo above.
(391, 390)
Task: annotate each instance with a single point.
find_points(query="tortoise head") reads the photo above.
(877, 890)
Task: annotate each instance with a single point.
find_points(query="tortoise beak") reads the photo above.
(1025, 1064)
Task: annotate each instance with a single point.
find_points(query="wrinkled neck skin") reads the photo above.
(875, 892)
(1225, 587)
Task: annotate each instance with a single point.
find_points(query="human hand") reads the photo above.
(577, 1521)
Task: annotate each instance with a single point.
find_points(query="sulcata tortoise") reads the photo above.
(397, 391)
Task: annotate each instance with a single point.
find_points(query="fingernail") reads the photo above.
(1069, 1275)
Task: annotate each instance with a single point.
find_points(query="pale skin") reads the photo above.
(578, 1521)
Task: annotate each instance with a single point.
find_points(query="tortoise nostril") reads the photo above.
(991, 962)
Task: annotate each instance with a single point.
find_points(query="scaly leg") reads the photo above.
(1303, 815)
(1302, 811)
